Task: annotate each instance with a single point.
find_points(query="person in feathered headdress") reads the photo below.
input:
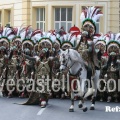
(88, 17)
(112, 67)
(29, 61)
(100, 48)
(16, 49)
(7, 34)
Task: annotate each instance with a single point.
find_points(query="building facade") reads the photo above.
(52, 14)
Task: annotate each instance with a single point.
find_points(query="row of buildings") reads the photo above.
(52, 14)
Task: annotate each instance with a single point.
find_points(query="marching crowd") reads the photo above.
(33, 54)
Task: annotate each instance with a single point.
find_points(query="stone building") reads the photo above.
(52, 14)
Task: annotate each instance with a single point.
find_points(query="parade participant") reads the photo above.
(27, 47)
(7, 34)
(100, 48)
(15, 52)
(40, 70)
(45, 67)
(89, 17)
(112, 69)
(32, 55)
(3, 69)
(55, 64)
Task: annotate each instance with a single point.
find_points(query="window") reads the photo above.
(0, 19)
(63, 17)
(9, 17)
(98, 26)
(40, 18)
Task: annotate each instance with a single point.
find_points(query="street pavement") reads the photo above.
(57, 109)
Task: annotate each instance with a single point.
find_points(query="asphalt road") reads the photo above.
(56, 110)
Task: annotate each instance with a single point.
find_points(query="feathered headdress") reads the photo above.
(45, 42)
(26, 38)
(89, 17)
(74, 36)
(6, 34)
(117, 37)
(113, 47)
(100, 43)
(18, 32)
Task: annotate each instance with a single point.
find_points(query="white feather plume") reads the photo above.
(91, 13)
